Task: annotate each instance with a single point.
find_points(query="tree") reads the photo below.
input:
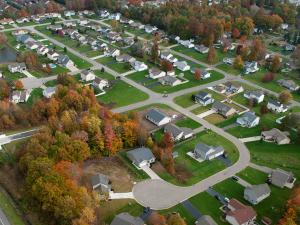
(175, 219)
(211, 56)
(275, 64)
(197, 74)
(65, 49)
(245, 25)
(285, 97)
(296, 56)
(155, 52)
(236, 33)
(268, 77)
(264, 109)
(19, 85)
(166, 66)
(3, 39)
(156, 219)
(238, 63)
(4, 89)
(257, 50)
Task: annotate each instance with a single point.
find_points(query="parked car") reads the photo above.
(235, 178)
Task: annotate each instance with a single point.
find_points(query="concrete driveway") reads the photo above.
(207, 113)
(150, 173)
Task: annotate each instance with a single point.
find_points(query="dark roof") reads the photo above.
(140, 154)
(156, 115)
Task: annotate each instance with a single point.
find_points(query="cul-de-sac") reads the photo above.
(149, 112)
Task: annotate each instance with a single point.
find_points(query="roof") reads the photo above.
(50, 90)
(258, 190)
(127, 219)
(173, 130)
(275, 102)
(205, 149)
(204, 96)
(168, 79)
(139, 155)
(280, 177)
(241, 212)
(248, 117)
(256, 93)
(156, 115)
(205, 220)
(63, 59)
(275, 134)
(221, 107)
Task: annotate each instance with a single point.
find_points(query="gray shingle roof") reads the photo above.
(156, 115)
(259, 190)
(140, 154)
(280, 177)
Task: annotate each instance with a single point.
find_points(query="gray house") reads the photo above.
(157, 117)
(203, 98)
(275, 135)
(281, 178)
(223, 109)
(127, 219)
(206, 152)
(289, 84)
(248, 119)
(178, 133)
(64, 60)
(205, 220)
(17, 67)
(141, 157)
(101, 181)
(257, 193)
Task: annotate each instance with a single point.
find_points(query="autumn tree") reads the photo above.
(155, 52)
(257, 50)
(268, 77)
(275, 64)
(212, 54)
(285, 97)
(3, 40)
(236, 33)
(4, 89)
(264, 109)
(166, 66)
(175, 219)
(156, 219)
(245, 25)
(19, 85)
(197, 74)
(238, 63)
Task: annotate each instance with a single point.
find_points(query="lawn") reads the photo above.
(187, 101)
(253, 176)
(215, 118)
(114, 65)
(201, 109)
(9, 210)
(140, 77)
(199, 171)
(182, 211)
(229, 69)
(188, 122)
(208, 205)
(35, 95)
(271, 155)
(272, 207)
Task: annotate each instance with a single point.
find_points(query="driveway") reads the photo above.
(126, 195)
(243, 182)
(150, 172)
(207, 113)
(216, 195)
(3, 219)
(250, 139)
(191, 209)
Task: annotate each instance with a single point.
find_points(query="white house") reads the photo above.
(256, 95)
(202, 49)
(141, 157)
(178, 133)
(87, 75)
(187, 43)
(168, 56)
(203, 98)
(139, 66)
(52, 55)
(49, 91)
(42, 50)
(17, 67)
(276, 106)
(248, 119)
(157, 117)
(155, 73)
(100, 83)
(206, 152)
(250, 67)
(20, 96)
(169, 81)
(182, 65)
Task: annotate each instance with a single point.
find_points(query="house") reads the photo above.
(256, 95)
(102, 182)
(202, 49)
(206, 152)
(182, 65)
(87, 75)
(100, 83)
(17, 67)
(54, 28)
(42, 50)
(125, 58)
(257, 193)
(223, 109)
(141, 157)
(113, 52)
(19, 96)
(289, 47)
(281, 178)
(250, 67)
(157, 117)
(178, 133)
(155, 73)
(23, 38)
(276, 136)
(205, 220)
(127, 219)
(69, 13)
(232, 88)
(169, 81)
(52, 55)
(115, 16)
(239, 214)
(284, 26)
(32, 45)
(228, 61)
(150, 29)
(248, 119)
(203, 98)
(49, 92)
(276, 106)
(187, 43)
(65, 61)
(204, 73)
(168, 56)
(139, 66)
(289, 84)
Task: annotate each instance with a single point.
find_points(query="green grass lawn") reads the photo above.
(139, 77)
(272, 207)
(199, 171)
(188, 122)
(5, 204)
(121, 93)
(253, 176)
(229, 69)
(114, 65)
(286, 157)
(182, 211)
(208, 205)
(35, 95)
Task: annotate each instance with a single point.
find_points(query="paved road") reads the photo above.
(263, 169)
(3, 219)
(18, 136)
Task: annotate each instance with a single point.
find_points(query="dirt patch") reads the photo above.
(114, 168)
(158, 168)
(182, 174)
